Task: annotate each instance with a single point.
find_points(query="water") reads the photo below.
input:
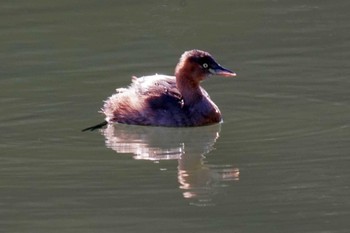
(278, 163)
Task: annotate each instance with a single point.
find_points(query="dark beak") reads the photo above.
(219, 70)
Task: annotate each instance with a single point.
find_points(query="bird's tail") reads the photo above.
(98, 126)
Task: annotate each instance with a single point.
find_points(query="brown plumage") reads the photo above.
(173, 101)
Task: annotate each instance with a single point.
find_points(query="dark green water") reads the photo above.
(279, 162)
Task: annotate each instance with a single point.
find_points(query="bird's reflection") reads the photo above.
(198, 179)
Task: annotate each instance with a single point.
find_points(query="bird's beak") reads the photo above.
(219, 70)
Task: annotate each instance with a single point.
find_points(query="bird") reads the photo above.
(168, 101)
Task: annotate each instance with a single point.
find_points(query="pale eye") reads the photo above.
(205, 65)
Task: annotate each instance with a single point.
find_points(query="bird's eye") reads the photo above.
(205, 65)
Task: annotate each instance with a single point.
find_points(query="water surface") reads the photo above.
(278, 163)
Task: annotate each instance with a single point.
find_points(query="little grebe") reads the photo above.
(173, 101)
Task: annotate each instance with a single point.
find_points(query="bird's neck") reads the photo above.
(189, 88)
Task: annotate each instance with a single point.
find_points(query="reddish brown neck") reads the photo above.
(189, 88)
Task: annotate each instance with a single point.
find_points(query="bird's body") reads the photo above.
(156, 100)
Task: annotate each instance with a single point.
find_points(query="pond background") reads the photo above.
(278, 163)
